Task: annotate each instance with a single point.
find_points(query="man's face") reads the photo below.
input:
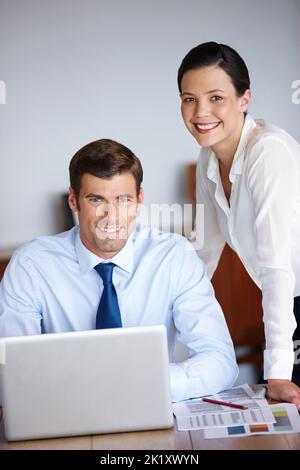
(107, 211)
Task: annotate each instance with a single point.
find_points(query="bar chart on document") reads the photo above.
(286, 420)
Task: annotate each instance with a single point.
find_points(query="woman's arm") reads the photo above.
(273, 182)
(207, 227)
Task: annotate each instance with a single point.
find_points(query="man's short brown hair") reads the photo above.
(104, 158)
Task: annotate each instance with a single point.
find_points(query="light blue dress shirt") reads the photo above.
(50, 286)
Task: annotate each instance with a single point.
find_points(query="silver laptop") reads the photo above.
(90, 382)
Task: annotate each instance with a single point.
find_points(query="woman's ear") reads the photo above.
(245, 100)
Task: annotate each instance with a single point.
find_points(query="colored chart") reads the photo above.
(287, 420)
(282, 420)
(282, 424)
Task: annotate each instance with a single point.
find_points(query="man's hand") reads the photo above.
(284, 390)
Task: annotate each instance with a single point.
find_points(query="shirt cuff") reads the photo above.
(178, 382)
(278, 364)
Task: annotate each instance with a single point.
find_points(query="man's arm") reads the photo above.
(20, 312)
(201, 326)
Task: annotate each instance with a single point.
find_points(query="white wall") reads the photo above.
(79, 70)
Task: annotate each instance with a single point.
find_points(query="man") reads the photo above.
(141, 276)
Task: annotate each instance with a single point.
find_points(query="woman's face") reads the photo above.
(211, 109)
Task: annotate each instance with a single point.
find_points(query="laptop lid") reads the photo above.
(90, 382)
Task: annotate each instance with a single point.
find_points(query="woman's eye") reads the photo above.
(188, 100)
(216, 98)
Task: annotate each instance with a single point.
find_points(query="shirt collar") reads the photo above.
(238, 160)
(88, 260)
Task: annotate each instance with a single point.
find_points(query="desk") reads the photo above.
(168, 439)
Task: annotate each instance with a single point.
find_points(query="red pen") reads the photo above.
(217, 402)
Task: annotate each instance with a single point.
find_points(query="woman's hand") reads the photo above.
(284, 390)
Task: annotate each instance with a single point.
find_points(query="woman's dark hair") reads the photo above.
(104, 158)
(212, 53)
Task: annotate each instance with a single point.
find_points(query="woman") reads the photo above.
(248, 178)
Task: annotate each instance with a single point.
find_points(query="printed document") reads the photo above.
(286, 420)
(196, 414)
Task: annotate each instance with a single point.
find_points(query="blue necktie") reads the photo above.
(108, 313)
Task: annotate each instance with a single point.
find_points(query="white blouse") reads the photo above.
(261, 224)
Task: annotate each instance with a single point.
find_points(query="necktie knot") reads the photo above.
(105, 271)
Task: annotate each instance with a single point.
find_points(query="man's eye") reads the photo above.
(123, 199)
(95, 199)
